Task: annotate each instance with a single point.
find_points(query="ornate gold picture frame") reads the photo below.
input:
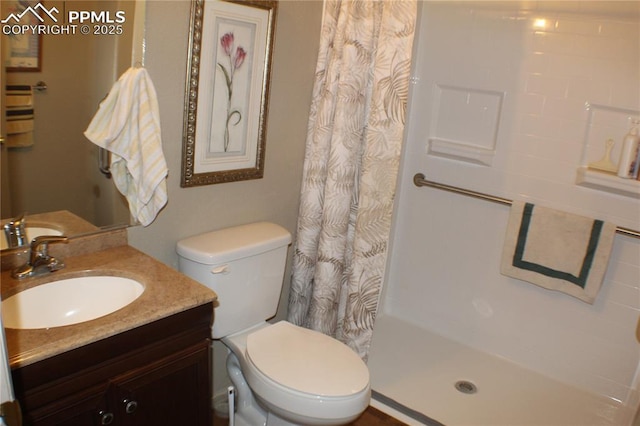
(227, 91)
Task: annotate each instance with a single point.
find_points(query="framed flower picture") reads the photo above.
(227, 93)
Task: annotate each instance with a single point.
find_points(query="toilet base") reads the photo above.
(274, 420)
(241, 419)
(248, 412)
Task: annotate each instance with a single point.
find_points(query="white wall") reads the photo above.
(499, 106)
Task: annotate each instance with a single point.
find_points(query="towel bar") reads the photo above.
(104, 162)
(40, 86)
(419, 180)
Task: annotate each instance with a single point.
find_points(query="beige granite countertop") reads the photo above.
(167, 292)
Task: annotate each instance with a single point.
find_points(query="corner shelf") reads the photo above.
(608, 182)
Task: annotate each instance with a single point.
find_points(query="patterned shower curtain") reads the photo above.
(352, 156)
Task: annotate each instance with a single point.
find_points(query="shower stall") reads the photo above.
(515, 100)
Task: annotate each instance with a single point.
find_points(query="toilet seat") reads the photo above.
(306, 361)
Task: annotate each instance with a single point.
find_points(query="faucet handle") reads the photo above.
(39, 260)
(39, 245)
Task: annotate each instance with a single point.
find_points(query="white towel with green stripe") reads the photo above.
(128, 124)
(557, 250)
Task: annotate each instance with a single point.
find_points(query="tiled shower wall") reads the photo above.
(516, 102)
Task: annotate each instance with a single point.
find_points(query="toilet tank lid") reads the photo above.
(234, 243)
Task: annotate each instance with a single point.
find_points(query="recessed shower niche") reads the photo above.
(606, 127)
(465, 124)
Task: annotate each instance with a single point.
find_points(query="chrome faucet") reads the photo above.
(39, 260)
(15, 232)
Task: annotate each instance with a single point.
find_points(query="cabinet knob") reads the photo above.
(106, 418)
(130, 406)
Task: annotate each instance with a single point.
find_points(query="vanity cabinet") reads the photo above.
(156, 374)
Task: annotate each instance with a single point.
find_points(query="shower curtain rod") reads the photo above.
(419, 180)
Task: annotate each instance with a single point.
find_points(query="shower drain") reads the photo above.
(466, 387)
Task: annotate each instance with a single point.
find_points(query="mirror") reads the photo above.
(60, 171)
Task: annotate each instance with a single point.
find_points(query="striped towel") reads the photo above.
(128, 124)
(19, 114)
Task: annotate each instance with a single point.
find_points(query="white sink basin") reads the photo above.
(69, 301)
(32, 232)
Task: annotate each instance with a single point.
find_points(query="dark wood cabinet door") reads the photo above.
(171, 391)
(83, 409)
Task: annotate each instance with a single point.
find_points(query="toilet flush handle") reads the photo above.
(224, 269)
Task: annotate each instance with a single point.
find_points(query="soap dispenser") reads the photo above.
(628, 166)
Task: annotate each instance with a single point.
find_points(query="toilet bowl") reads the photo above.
(283, 374)
(301, 376)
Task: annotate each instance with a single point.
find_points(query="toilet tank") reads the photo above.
(244, 265)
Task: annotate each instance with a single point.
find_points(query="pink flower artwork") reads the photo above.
(236, 57)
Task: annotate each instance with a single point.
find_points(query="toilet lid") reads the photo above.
(307, 361)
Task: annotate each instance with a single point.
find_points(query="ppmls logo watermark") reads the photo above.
(38, 20)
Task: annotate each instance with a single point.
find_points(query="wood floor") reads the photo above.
(371, 417)
(375, 417)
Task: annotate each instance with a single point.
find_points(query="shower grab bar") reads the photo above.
(419, 180)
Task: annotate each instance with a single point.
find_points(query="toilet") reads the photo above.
(283, 374)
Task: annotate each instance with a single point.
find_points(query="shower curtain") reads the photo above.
(351, 163)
